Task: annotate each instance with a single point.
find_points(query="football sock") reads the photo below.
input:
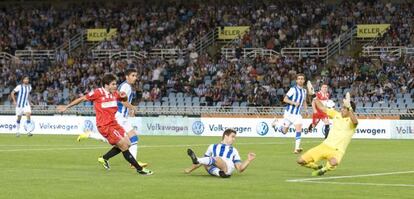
(297, 140)
(128, 157)
(214, 171)
(326, 130)
(18, 125)
(133, 149)
(329, 167)
(206, 161)
(111, 153)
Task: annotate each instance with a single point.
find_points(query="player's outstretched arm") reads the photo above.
(320, 106)
(192, 168)
(75, 102)
(243, 166)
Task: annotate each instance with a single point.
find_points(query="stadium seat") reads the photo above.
(368, 104)
(196, 99)
(179, 95)
(171, 95)
(188, 99)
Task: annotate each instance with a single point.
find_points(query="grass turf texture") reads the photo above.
(46, 166)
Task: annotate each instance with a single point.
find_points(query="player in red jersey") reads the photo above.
(318, 115)
(105, 103)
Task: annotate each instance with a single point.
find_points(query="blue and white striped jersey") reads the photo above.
(296, 94)
(224, 151)
(23, 93)
(125, 87)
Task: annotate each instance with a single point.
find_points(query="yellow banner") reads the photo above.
(232, 32)
(371, 30)
(101, 34)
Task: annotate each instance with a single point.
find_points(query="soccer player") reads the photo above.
(221, 159)
(23, 102)
(124, 109)
(295, 99)
(105, 103)
(334, 147)
(322, 96)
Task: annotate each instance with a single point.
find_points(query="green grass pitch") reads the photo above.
(46, 166)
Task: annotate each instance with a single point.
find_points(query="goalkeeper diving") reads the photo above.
(333, 148)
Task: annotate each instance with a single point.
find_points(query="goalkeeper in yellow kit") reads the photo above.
(333, 148)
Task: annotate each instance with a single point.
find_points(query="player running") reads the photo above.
(334, 147)
(322, 96)
(295, 99)
(23, 103)
(221, 159)
(124, 110)
(105, 103)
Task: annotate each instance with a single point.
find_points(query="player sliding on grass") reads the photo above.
(221, 159)
(333, 148)
(105, 103)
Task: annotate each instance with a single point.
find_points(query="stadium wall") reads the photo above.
(205, 126)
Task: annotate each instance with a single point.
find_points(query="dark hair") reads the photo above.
(130, 70)
(353, 106)
(24, 76)
(228, 132)
(108, 78)
(300, 74)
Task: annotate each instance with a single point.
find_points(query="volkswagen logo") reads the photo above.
(88, 125)
(198, 127)
(29, 127)
(262, 128)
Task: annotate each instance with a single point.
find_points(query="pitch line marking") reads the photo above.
(321, 180)
(359, 183)
(350, 176)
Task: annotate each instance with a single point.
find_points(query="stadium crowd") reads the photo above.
(258, 82)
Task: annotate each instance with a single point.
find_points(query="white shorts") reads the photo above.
(22, 110)
(289, 119)
(230, 166)
(123, 121)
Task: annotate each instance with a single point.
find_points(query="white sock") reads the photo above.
(297, 140)
(214, 171)
(97, 136)
(18, 127)
(133, 149)
(206, 161)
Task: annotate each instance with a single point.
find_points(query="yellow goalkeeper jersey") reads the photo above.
(341, 133)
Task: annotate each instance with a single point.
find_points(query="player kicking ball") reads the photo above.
(221, 159)
(334, 147)
(105, 104)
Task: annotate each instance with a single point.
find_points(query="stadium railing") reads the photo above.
(36, 55)
(73, 43)
(378, 51)
(4, 57)
(230, 53)
(372, 112)
(167, 54)
(205, 41)
(117, 54)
